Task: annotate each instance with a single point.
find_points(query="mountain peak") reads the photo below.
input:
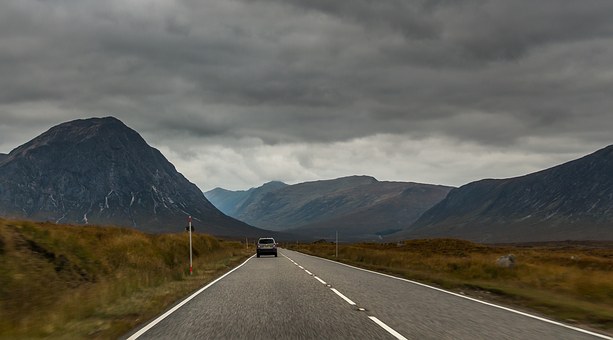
(346, 181)
(91, 124)
(100, 171)
(273, 185)
(90, 127)
(92, 132)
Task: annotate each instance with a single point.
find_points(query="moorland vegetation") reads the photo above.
(569, 281)
(88, 282)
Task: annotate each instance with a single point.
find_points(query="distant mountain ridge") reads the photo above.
(99, 171)
(360, 206)
(571, 201)
(232, 203)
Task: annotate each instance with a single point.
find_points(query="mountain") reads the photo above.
(398, 205)
(233, 203)
(572, 201)
(3, 156)
(99, 171)
(360, 207)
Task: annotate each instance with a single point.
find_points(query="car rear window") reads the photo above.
(266, 241)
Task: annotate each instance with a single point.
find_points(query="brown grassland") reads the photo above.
(570, 282)
(76, 282)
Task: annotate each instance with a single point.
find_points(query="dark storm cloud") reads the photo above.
(505, 75)
(479, 29)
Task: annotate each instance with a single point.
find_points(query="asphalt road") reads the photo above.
(295, 296)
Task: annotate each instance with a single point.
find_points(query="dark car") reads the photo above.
(267, 246)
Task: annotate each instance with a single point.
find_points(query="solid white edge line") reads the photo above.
(173, 309)
(320, 280)
(581, 330)
(343, 296)
(387, 328)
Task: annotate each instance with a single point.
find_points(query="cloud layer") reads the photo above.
(236, 93)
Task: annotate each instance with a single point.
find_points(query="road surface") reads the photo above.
(296, 296)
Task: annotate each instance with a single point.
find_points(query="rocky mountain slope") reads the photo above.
(360, 207)
(99, 171)
(572, 201)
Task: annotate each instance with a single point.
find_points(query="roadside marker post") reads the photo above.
(337, 244)
(189, 227)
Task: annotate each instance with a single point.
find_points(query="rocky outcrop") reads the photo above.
(506, 261)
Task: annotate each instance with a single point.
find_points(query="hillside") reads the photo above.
(94, 282)
(572, 201)
(234, 203)
(360, 206)
(567, 281)
(99, 171)
(384, 217)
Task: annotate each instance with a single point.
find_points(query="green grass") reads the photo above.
(571, 283)
(75, 282)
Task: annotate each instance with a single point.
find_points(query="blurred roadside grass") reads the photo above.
(569, 282)
(92, 282)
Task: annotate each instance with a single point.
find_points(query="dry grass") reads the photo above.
(572, 283)
(97, 282)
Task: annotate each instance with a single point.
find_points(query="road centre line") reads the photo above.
(320, 280)
(343, 296)
(602, 336)
(179, 305)
(374, 319)
(387, 328)
(308, 272)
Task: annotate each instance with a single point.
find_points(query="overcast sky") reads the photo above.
(240, 92)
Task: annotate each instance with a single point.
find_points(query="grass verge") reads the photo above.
(75, 282)
(569, 282)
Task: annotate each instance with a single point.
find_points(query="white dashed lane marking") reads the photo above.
(320, 280)
(349, 301)
(581, 330)
(387, 328)
(343, 296)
